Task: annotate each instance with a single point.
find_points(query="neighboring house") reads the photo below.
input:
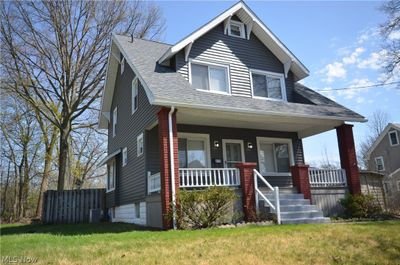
(225, 97)
(384, 158)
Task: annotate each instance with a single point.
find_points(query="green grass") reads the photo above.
(353, 243)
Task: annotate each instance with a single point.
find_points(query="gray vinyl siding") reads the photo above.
(131, 179)
(240, 54)
(152, 151)
(390, 155)
(247, 135)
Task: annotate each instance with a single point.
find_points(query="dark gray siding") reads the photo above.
(152, 151)
(131, 179)
(240, 54)
(247, 135)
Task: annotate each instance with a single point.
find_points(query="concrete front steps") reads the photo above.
(294, 208)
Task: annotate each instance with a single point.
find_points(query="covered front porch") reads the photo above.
(210, 148)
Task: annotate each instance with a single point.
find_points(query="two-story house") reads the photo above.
(223, 107)
(384, 157)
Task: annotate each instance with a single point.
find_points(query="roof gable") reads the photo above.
(381, 136)
(254, 25)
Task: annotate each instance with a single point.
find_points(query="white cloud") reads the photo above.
(329, 93)
(367, 34)
(353, 57)
(360, 100)
(374, 61)
(395, 35)
(333, 71)
(352, 93)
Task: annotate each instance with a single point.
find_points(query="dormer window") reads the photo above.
(236, 29)
(210, 77)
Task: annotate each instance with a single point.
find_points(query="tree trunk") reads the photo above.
(20, 191)
(15, 206)
(4, 199)
(63, 157)
(24, 186)
(46, 172)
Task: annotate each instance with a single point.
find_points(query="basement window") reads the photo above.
(236, 29)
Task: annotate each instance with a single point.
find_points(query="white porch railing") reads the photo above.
(327, 177)
(277, 207)
(153, 182)
(206, 177)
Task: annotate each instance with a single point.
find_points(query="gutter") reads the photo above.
(256, 112)
(172, 166)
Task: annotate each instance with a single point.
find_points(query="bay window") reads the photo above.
(209, 77)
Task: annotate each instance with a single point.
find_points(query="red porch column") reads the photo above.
(248, 192)
(301, 180)
(165, 170)
(348, 159)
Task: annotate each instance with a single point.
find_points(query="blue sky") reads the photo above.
(337, 41)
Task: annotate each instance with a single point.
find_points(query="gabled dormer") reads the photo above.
(236, 54)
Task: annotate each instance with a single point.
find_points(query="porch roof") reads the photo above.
(304, 126)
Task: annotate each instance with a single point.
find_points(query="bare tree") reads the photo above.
(21, 148)
(390, 29)
(88, 149)
(376, 124)
(55, 54)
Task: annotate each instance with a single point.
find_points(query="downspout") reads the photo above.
(172, 165)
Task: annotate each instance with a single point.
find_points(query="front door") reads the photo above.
(233, 152)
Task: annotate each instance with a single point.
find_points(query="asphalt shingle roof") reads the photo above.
(171, 88)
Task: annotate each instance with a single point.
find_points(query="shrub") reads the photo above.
(204, 208)
(360, 206)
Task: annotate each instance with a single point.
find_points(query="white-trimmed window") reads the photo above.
(115, 117)
(393, 138)
(193, 150)
(209, 76)
(267, 85)
(124, 156)
(140, 145)
(380, 165)
(275, 156)
(111, 174)
(135, 94)
(398, 185)
(122, 65)
(236, 29)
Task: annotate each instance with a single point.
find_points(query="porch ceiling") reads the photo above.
(304, 126)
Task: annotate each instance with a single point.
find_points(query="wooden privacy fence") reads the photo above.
(71, 206)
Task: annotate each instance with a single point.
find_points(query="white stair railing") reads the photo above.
(276, 207)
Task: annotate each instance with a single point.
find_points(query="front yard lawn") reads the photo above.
(353, 243)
